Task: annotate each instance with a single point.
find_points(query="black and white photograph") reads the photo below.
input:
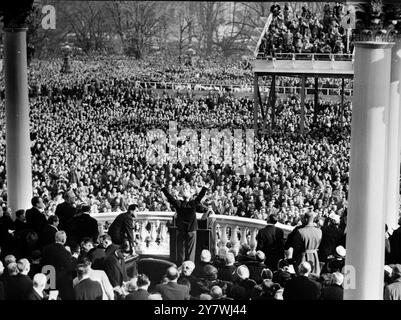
(182, 151)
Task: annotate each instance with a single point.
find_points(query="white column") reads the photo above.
(18, 143)
(365, 221)
(393, 141)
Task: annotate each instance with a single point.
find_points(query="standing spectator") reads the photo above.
(35, 218)
(82, 225)
(306, 243)
(172, 290)
(18, 285)
(20, 221)
(99, 276)
(59, 257)
(395, 244)
(301, 287)
(35, 266)
(114, 266)
(49, 231)
(271, 241)
(122, 228)
(86, 288)
(66, 210)
(331, 237)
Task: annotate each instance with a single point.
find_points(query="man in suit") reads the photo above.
(301, 287)
(59, 257)
(141, 293)
(82, 225)
(20, 221)
(66, 210)
(306, 242)
(99, 276)
(186, 222)
(227, 272)
(86, 288)
(334, 291)
(172, 290)
(35, 218)
(395, 244)
(331, 237)
(18, 285)
(49, 231)
(99, 253)
(115, 268)
(39, 285)
(122, 228)
(271, 241)
(96, 275)
(205, 259)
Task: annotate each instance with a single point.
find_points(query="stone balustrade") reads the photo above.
(232, 231)
(153, 238)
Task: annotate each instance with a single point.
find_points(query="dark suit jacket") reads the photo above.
(47, 236)
(301, 288)
(65, 212)
(331, 238)
(35, 220)
(115, 269)
(18, 287)
(333, 292)
(173, 291)
(56, 254)
(139, 294)
(395, 244)
(186, 211)
(19, 225)
(33, 295)
(88, 289)
(271, 241)
(122, 228)
(97, 256)
(226, 273)
(80, 226)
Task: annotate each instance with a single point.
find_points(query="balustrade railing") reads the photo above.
(153, 238)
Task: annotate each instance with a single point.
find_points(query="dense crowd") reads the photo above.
(89, 155)
(305, 31)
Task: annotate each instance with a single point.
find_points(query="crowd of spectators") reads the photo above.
(306, 31)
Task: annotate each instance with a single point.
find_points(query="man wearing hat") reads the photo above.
(393, 290)
(186, 222)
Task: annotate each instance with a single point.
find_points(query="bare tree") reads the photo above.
(137, 23)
